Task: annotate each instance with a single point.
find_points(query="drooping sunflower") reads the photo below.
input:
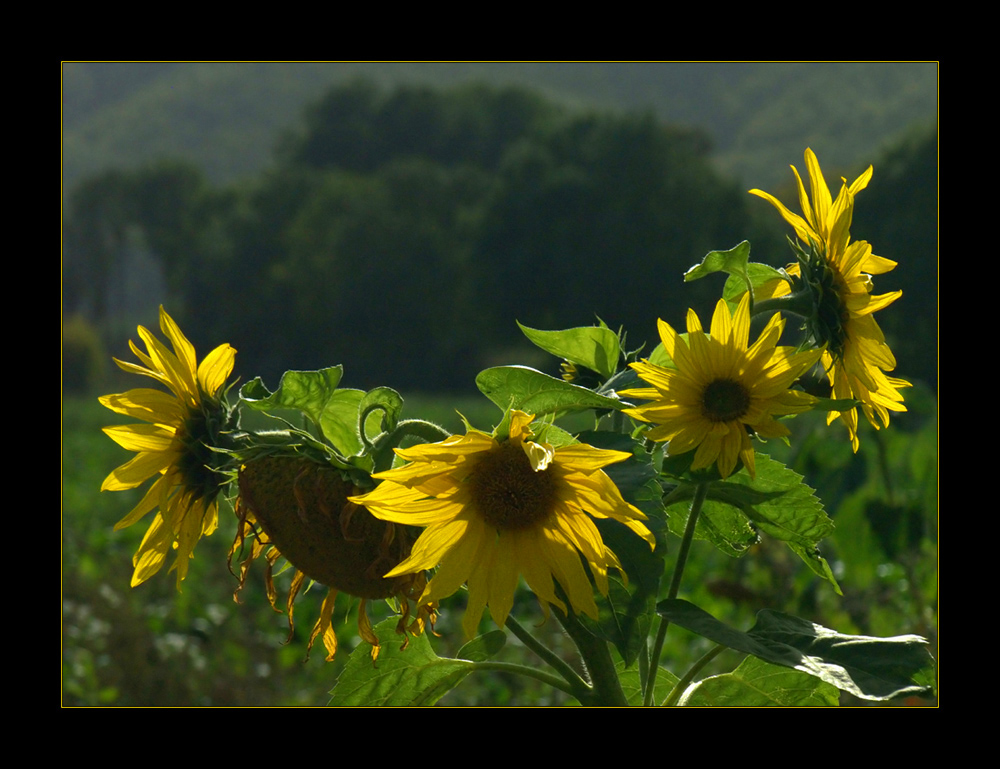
(297, 508)
(721, 389)
(176, 447)
(837, 274)
(496, 510)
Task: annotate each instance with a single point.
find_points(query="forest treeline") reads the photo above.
(401, 233)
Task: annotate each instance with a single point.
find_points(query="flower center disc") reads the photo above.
(508, 492)
(725, 400)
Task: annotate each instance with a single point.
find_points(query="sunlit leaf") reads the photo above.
(408, 677)
(867, 667)
(536, 393)
(595, 347)
(777, 503)
(759, 684)
(315, 394)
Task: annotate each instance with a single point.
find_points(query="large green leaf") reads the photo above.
(631, 681)
(867, 667)
(724, 526)
(407, 677)
(315, 394)
(777, 503)
(536, 393)
(759, 684)
(595, 347)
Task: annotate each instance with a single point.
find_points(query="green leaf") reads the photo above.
(734, 261)
(759, 684)
(536, 393)
(867, 667)
(777, 503)
(727, 528)
(631, 682)
(408, 677)
(595, 347)
(315, 394)
(758, 274)
(339, 421)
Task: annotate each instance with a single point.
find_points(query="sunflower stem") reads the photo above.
(700, 493)
(529, 672)
(576, 683)
(606, 688)
(688, 677)
(382, 449)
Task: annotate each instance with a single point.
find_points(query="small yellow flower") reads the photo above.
(838, 273)
(496, 510)
(721, 389)
(175, 447)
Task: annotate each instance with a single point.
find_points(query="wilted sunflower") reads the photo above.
(721, 389)
(496, 510)
(837, 274)
(176, 447)
(298, 508)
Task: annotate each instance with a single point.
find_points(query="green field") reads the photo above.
(153, 645)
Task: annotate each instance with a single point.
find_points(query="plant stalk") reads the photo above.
(700, 493)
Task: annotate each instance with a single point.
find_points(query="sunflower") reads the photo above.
(297, 508)
(836, 273)
(176, 447)
(499, 509)
(720, 390)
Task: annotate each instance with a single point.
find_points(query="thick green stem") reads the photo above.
(606, 687)
(523, 670)
(700, 492)
(382, 453)
(577, 684)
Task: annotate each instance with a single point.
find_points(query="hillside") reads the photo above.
(227, 117)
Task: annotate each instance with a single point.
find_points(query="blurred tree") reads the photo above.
(359, 128)
(168, 209)
(403, 233)
(602, 216)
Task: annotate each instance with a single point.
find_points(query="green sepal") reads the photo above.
(759, 684)
(407, 677)
(596, 347)
(533, 392)
(867, 667)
